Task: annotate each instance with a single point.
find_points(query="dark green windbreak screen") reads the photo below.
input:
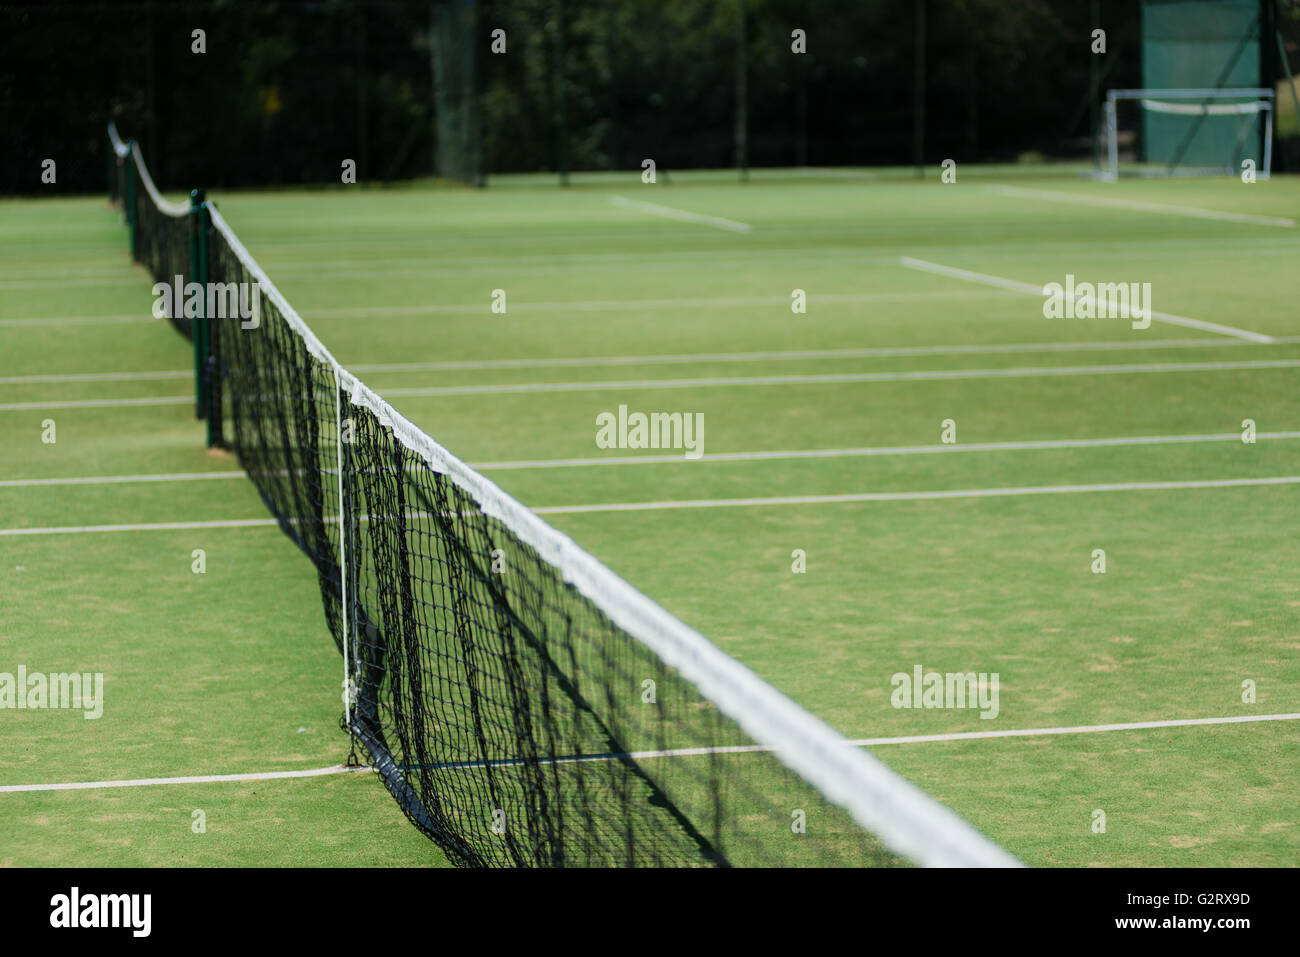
(1200, 44)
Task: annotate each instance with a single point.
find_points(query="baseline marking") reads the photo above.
(723, 503)
(815, 379)
(1145, 207)
(592, 305)
(878, 352)
(914, 496)
(921, 375)
(711, 457)
(119, 479)
(1077, 729)
(96, 377)
(75, 320)
(189, 779)
(681, 214)
(145, 527)
(878, 451)
(95, 403)
(1029, 289)
(642, 755)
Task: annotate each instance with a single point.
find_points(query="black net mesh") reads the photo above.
(516, 724)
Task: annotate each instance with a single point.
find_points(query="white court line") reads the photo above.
(593, 305)
(1032, 290)
(191, 779)
(120, 479)
(719, 503)
(920, 375)
(682, 214)
(606, 305)
(923, 375)
(912, 496)
(145, 527)
(1191, 211)
(76, 320)
(96, 377)
(94, 403)
(877, 451)
(65, 283)
(1076, 729)
(677, 752)
(881, 352)
(713, 457)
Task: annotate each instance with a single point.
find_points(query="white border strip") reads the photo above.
(1032, 290)
(681, 214)
(1191, 211)
(166, 207)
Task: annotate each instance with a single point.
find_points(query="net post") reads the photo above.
(211, 382)
(343, 558)
(129, 199)
(1267, 171)
(199, 326)
(1112, 134)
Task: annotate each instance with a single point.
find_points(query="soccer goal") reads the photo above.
(1187, 132)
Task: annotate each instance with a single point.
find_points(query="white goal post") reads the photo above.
(1235, 111)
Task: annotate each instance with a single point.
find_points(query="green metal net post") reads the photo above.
(129, 199)
(198, 266)
(211, 381)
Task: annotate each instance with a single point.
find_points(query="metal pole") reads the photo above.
(130, 198)
(1094, 90)
(197, 323)
(918, 92)
(742, 93)
(562, 119)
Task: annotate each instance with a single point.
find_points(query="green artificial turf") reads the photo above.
(233, 671)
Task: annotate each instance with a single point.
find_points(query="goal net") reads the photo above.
(1187, 132)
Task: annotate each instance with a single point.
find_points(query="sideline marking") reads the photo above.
(1029, 289)
(682, 214)
(642, 755)
(1192, 211)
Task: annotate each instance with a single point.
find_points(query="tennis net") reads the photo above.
(522, 703)
(160, 230)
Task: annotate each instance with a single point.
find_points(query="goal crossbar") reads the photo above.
(1246, 100)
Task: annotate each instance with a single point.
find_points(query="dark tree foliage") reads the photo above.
(289, 89)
